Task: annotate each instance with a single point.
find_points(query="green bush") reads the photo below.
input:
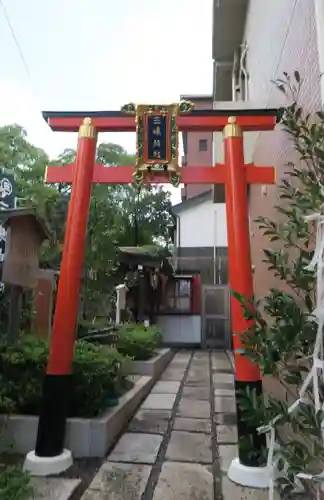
(15, 484)
(138, 342)
(97, 372)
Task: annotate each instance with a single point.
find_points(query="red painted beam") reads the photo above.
(188, 122)
(189, 175)
(260, 175)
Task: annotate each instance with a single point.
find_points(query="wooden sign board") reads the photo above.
(21, 264)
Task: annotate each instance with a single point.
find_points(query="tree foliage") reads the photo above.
(282, 340)
(119, 214)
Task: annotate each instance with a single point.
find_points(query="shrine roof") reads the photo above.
(147, 251)
(146, 255)
(192, 201)
(15, 213)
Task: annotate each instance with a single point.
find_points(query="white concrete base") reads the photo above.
(45, 466)
(252, 477)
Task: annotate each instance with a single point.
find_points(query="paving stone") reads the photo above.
(201, 352)
(118, 482)
(233, 491)
(200, 366)
(200, 363)
(225, 404)
(182, 481)
(189, 447)
(227, 452)
(179, 363)
(219, 355)
(142, 448)
(225, 418)
(198, 378)
(159, 402)
(53, 488)
(227, 378)
(154, 421)
(198, 374)
(222, 365)
(193, 408)
(181, 357)
(166, 387)
(200, 393)
(224, 385)
(224, 392)
(192, 425)
(177, 367)
(173, 374)
(226, 433)
(198, 383)
(231, 357)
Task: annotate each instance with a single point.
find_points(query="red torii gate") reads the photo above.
(233, 173)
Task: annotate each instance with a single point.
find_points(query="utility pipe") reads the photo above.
(244, 49)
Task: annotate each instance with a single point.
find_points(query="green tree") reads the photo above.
(28, 164)
(119, 215)
(285, 327)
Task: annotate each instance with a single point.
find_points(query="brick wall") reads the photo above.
(281, 36)
(196, 157)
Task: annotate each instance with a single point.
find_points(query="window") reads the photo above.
(203, 145)
(179, 296)
(219, 193)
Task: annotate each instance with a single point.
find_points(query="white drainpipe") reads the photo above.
(319, 16)
(243, 70)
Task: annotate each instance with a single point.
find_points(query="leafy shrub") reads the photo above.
(97, 372)
(137, 341)
(285, 327)
(15, 484)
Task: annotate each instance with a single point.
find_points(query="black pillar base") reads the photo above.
(251, 444)
(52, 420)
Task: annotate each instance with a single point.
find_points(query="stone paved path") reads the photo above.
(181, 440)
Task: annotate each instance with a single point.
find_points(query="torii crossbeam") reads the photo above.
(233, 173)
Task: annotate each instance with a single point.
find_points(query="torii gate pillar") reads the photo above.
(243, 470)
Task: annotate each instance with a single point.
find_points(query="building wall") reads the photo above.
(203, 225)
(201, 243)
(196, 157)
(281, 36)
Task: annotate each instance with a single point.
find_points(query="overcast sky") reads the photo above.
(99, 55)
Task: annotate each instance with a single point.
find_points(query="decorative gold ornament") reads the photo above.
(232, 129)
(87, 129)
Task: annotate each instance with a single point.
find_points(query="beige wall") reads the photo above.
(281, 36)
(196, 157)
